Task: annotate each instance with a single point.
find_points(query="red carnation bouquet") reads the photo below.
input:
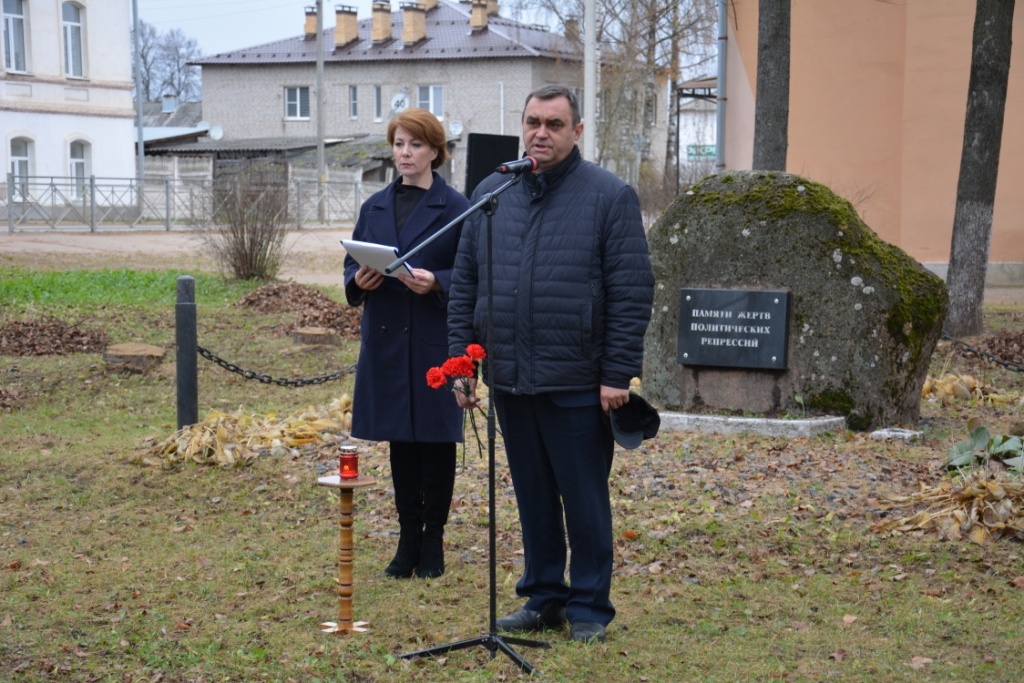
(459, 369)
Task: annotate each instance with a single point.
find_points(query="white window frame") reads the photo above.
(78, 166)
(293, 102)
(431, 98)
(74, 39)
(378, 103)
(353, 102)
(21, 167)
(15, 49)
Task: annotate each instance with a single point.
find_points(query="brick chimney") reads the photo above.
(414, 22)
(428, 4)
(492, 8)
(346, 26)
(381, 31)
(478, 15)
(310, 29)
(572, 29)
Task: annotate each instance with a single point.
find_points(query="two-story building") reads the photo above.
(65, 92)
(460, 60)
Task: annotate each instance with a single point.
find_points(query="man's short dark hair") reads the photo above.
(550, 92)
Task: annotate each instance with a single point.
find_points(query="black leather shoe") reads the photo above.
(552, 616)
(587, 632)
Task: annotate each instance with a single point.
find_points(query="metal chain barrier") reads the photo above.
(1008, 364)
(267, 379)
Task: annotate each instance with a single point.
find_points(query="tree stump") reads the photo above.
(316, 336)
(133, 357)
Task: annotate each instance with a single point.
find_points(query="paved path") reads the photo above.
(314, 255)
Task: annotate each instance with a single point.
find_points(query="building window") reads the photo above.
(378, 103)
(72, 15)
(353, 101)
(14, 35)
(431, 98)
(79, 158)
(296, 103)
(20, 149)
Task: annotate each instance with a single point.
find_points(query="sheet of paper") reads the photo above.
(376, 256)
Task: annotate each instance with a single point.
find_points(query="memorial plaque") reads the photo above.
(733, 328)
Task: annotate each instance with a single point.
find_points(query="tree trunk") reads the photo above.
(979, 166)
(771, 108)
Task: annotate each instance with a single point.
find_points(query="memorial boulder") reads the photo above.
(773, 297)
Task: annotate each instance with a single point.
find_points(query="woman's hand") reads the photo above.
(421, 282)
(368, 279)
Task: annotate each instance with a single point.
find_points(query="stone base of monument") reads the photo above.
(722, 424)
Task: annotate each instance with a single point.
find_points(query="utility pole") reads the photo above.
(139, 101)
(321, 164)
(590, 80)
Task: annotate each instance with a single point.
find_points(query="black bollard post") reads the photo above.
(187, 351)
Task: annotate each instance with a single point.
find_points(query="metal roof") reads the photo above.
(275, 144)
(449, 36)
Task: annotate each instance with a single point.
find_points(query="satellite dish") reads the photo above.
(216, 132)
(203, 125)
(455, 128)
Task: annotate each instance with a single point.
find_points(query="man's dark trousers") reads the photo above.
(559, 451)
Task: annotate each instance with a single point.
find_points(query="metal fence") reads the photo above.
(76, 203)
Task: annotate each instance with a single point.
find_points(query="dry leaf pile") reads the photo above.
(10, 399)
(315, 308)
(950, 387)
(239, 438)
(48, 337)
(978, 509)
(1007, 345)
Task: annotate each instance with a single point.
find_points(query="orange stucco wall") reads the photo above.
(878, 94)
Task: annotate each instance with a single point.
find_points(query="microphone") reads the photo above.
(518, 166)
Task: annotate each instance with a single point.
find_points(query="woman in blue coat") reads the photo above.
(405, 333)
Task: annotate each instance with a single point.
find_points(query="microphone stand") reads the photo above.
(491, 640)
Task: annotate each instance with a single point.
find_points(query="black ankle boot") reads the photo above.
(438, 485)
(407, 479)
(431, 563)
(407, 557)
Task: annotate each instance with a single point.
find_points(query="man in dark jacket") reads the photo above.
(573, 289)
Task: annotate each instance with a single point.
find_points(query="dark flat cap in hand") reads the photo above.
(634, 421)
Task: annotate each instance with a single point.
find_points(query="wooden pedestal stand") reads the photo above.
(345, 624)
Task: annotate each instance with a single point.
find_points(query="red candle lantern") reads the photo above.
(348, 463)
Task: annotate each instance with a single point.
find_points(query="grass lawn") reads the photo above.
(739, 558)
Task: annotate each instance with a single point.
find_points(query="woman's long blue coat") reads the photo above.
(405, 334)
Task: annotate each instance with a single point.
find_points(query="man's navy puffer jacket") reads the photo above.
(573, 285)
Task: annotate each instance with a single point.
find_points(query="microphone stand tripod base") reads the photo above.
(340, 629)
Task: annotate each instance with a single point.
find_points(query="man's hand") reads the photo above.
(466, 400)
(612, 398)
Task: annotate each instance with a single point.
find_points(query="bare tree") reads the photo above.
(979, 166)
(641, 42)
(149, 48)
(771, 107)
(179, 78)
(165, 70)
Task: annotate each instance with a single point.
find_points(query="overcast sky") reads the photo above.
(225, 25)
